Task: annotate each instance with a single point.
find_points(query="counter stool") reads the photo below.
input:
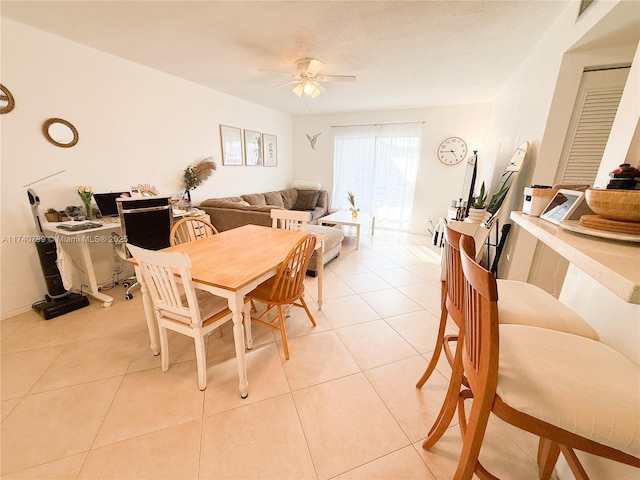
(520, 303)
(579, 395)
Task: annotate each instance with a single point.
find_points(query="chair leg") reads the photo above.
(201, 361)
(164, 348)
(283, 332)
(306, 309)
(548, 453)
(574, 464)
(448, 409)
(436, 351)
(473, 436)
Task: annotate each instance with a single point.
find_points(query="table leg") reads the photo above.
(93, 284)
(373, 224)
(357, 225)
(236, 305)
(150, 317)
(320, 265)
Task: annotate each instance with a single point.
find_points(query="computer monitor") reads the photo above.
(107, 202)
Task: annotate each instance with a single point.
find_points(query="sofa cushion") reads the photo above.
(274, 198)
(255, 199)
(307, 200)
(289, 197)
(215, 202)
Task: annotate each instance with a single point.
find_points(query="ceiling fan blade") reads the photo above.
(314, 66)
(292, 75)
(292, 82)
(336, 78)
(318, 86)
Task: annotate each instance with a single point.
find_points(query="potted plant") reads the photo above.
(478, 207)
(52, 215)
(352, 200)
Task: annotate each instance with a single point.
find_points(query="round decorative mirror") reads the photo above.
(7, 103)
(60, 132)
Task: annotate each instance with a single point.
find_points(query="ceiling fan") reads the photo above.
(308, 81)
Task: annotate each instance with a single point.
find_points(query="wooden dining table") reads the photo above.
(230, 264)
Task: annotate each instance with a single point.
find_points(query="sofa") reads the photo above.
(255, 208)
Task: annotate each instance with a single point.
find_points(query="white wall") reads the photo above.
(436, 185)
(537, 102)
(135, 124)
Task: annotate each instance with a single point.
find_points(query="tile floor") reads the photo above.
(83, 397)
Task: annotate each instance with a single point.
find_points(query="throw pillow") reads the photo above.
(307, 200)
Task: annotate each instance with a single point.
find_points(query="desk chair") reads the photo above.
(146, 222)
(178, 305)
(573, 392)
(283, 290)
(188, 229)
(520, 303)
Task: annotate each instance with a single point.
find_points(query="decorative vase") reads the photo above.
(87, 208)
(476, 215)
(354, 213)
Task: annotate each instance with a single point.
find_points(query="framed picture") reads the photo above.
(231, 140)
(270, 150)
(252, 148)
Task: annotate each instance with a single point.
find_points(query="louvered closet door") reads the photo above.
(591, 122)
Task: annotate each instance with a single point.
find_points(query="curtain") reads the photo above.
(379, 164)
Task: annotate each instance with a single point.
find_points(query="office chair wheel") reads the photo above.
(126, 284)
(128, 296)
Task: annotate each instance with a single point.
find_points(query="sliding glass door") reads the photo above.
(379, 164)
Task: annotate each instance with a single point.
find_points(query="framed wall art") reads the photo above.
(270, 150)
(231, 140)
(252, 148)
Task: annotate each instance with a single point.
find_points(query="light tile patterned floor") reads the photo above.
(83, 397)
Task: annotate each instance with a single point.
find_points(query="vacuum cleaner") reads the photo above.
(58, 301)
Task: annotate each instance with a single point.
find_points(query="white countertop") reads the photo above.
(613, 263)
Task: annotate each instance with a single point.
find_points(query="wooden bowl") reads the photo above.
(621, 205)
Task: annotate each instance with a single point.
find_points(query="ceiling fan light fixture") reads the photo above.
(298, 90)
(309, 88)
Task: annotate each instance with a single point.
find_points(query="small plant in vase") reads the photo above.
(85, 192)
(52, 215)
(352, 201)
(194, 175)
(478, 207)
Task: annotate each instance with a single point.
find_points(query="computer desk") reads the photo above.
(84, 238)
(110, 227)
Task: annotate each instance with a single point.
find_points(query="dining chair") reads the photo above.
(286, 288)
(289, 219)
(520, 303)
(188, 229)
(179, 306)
(573, 392)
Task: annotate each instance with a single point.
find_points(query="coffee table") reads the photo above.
(342, 217)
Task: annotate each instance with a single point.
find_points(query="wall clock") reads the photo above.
(452, 150)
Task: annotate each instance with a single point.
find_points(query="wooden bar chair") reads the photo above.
(286, 288)
(520, 303)
(188, 229)
(179, 306)
(575, 393)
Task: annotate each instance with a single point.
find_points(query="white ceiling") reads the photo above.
(404, 54)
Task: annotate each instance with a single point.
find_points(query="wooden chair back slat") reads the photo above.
(454, 276)
(189, 229)
(289, 280)
(289, 219)
(168, 279)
